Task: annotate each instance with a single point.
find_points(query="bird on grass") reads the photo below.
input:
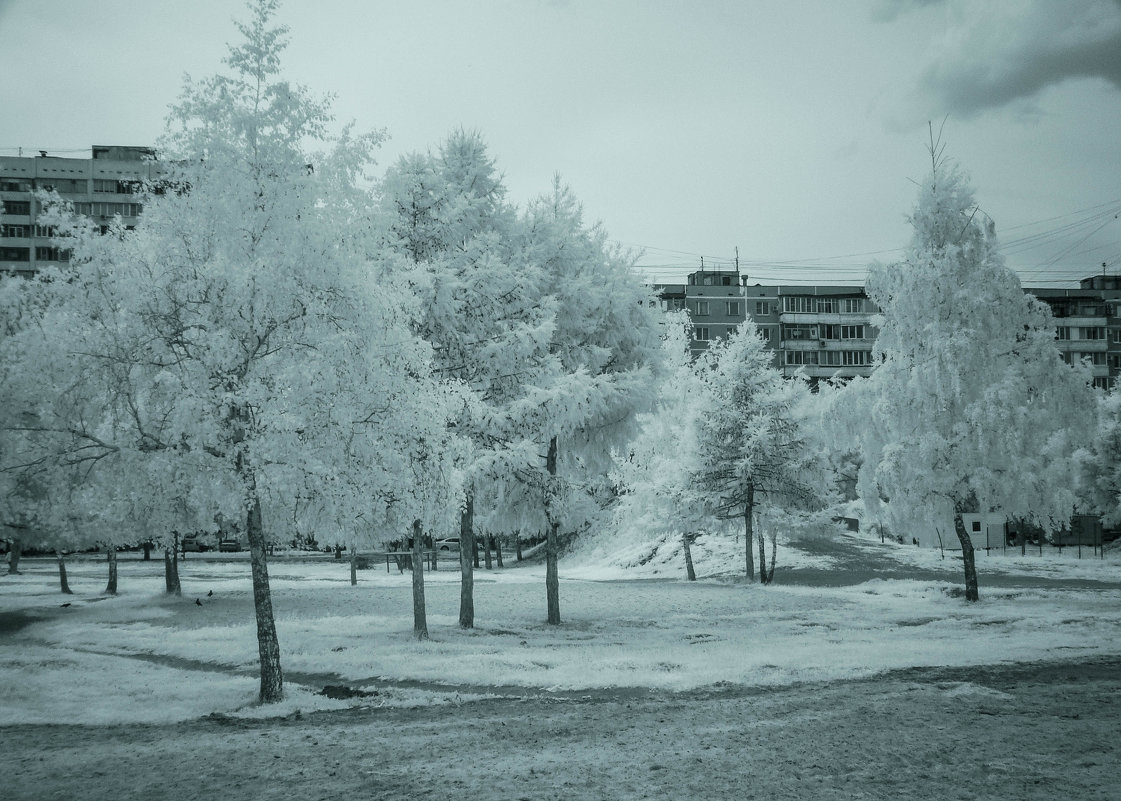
(210, 593)
(198, 602)
(65, 605)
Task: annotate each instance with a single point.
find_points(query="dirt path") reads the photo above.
(1021, 732)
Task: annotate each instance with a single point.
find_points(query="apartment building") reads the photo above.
(823, 331)
(101, 187)
(827, 331)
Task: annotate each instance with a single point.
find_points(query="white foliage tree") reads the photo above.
(243, 333)
(656, 473)
(754, 441)
(603, 348)
(971, 407)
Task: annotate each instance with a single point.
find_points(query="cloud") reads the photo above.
(993, 55)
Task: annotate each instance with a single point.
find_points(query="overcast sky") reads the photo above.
(791, 130)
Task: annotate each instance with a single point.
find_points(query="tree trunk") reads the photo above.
(63, 583)
(353, 565)
(147, 551)
(420, 620)
(467, 564)
(552, 579)
(272, 679)
(486, 550)
(688, 558)
(13, 557)
(171, 572)
(748, 529)
(518, 544)
(762, 556)
(967, 557)
(498, 550)
(111, 587)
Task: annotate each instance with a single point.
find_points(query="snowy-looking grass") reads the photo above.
(144, 657)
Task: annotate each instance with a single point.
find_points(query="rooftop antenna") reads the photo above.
(737, 259)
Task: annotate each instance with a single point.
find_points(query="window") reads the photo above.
(1093, 333)
(18, 231)
(852, 332)
(15, 254)
(732, 308)
(852, 305)
(1097, 359)
(830, 331)
(1115, 335)
(68, 185)
(856, 358)
(1101, 382)
(976, 526)
(827, 305)
(831, 358)
(1062, 332)
(15, 185)
(762, 307)
(726, 280)
(801, 357)
(799, 332)
(1115, 361)
(707, 280)
(677, 304)
(17, 207)
(701, 308)
(797, 305)
(764, 333)
(700, 333)
(51, 254)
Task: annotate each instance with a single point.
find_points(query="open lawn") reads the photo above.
(651, 686)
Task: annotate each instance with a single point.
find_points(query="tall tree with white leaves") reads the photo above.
(656, 474)
(247, 328)
(604, 348)
(970, 408)
(753, 442)
(481, 307)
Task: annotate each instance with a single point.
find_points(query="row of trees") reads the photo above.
(281, 343)
(284, 342)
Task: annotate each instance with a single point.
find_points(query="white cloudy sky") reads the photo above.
(791, 130)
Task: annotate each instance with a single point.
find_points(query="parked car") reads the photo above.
(193, 544)
(447, 544)
(227, 544)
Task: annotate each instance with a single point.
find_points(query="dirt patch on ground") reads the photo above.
(1036, 731)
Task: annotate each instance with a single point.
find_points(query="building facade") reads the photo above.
(101, 187)
(828, 331)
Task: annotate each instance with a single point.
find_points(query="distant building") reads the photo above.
(100, 187)
(827, 331)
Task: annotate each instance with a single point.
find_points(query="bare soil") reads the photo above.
(1038, 731)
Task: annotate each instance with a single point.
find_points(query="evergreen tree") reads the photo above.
(971, 408)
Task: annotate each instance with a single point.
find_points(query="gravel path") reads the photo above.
(1040, 731)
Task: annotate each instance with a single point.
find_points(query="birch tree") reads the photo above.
(971, 408)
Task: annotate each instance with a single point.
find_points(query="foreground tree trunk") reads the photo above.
(13, 557)
(467, 564)
(272, 679)
(171, 572)
(688, 558)
(552, 579)
(967, 557)
(748, 530)
(111, 587)
(420, 619)
(63, 583)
